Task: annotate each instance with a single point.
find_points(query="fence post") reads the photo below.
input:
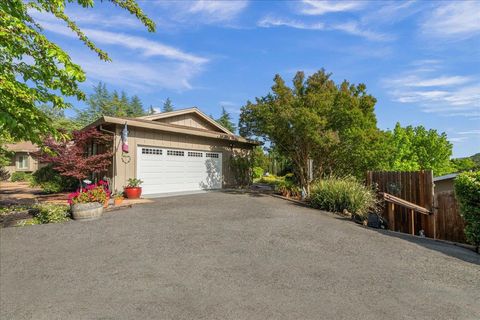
(391, 215)
(412, 217)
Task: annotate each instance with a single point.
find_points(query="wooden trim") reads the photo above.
(142, 123)
(392, 199)
(194, 110)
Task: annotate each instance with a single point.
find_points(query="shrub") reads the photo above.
(467, 191)
(257, 172)
(288, 188)
(51, 181)
(271, 179)
(337, 194)
(50, 213)
(4, 174)
(21, 176)
(92, 193)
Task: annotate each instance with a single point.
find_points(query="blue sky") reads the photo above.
(420, 59)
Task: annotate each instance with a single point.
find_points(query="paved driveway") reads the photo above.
(230, 256)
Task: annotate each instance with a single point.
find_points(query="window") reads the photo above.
(175, 153)
(151, 151)
(195, 154)
(22, 161)
(211, 155)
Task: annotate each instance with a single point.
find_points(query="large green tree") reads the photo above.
(316, 119)
(226, 120)
(416, 148)
(103, 103)
(35, 70)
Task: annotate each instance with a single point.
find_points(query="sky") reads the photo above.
(420, 59)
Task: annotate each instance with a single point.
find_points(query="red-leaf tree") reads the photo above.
(70, 157)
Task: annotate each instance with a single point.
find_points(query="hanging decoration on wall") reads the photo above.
(125, 139)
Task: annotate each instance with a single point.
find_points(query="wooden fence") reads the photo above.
(418, 188)
(415, 187)
(449, 224)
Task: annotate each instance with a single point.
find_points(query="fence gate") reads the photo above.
(413, 186)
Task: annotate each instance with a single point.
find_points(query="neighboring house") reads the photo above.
(22, 159)
(183, 150)
(444, 183)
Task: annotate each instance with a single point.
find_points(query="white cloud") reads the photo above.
(355, 29)
(140, 76)
(148, 48)
(351, 27)
(471, 132)
(218, 10)
(268, 22)
(203, 11)
(315, 7)
(458, 19)
(443, 94)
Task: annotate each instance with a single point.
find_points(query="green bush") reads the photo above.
(51, 181)
(50, 213)
(4, 174)
(271, 179)
(257, 172)
(20, 176)
(337, 194)
(467, 191)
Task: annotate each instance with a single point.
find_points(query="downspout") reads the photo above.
(113, 152)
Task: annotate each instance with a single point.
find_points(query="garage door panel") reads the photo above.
(171, 170)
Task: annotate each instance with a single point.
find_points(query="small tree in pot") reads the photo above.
(133, 189)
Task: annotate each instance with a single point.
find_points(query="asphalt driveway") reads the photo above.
(230, 256)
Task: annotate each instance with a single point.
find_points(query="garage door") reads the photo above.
(171, 170)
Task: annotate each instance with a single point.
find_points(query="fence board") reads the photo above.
(449, 223)
(415, 187)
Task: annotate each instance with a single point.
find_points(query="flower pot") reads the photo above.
(133, 192)
(87, 211)
(117, 201)
(105, 204)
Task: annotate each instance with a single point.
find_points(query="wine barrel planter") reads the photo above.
(87, 211)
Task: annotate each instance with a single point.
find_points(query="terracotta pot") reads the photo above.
(105, 204)
(87, 211)
(117, 201)
(133, 192)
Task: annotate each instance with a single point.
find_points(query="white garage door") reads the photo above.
(172, 170)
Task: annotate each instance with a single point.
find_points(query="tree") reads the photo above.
(226, 120)
(464, 164)
(69, 158)
(316, 119)
(59, 120)
(151, 110)
(415, 148)
(167, 106)
(34, 70)
(103, 103)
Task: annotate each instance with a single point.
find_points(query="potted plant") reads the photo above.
(133, 189)
(87, 203)
(117, 198)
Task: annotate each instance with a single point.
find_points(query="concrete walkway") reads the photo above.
(230, 256)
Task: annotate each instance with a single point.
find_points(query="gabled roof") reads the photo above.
(22, 146)
(155, 125)
(180, 112)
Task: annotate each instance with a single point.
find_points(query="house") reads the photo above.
(444, 183)
(183, 150)
(22, 159)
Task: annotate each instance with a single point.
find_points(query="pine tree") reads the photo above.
(226, 120)
(167, 106)
(135, 107)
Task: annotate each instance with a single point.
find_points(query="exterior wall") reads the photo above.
(443, 185)
(125, 166)
(33, 164)
(189, 120)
